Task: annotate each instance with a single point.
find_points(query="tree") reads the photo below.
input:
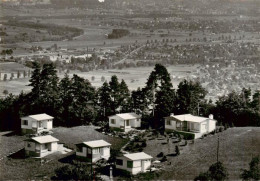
(138, 101)
(82, 110)
(254, 170)
(160, 94)
(216, 172)
(189, 95)
(5, 92)
(25, 74)
(102, 79)
(65, 100)
(18, 74)
(93, 78)
(124, 96)
(105, 100)
(5, 77)
(114, 93)
(78, 171)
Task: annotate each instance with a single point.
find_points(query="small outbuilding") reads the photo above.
(40, 146)
(36, 123)
(93, 150)
(134, 162)
(125, 121)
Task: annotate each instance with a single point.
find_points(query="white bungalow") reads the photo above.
(40, 146)
(134, 162)
(93, 150)
(125, 121)
(36, 123)
(189, 123)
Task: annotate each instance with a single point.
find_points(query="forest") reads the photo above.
(74, 101)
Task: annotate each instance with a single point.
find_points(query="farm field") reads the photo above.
(17, 168)
(236, 148)
(134, 77)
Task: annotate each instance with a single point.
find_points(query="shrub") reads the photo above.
(144, 144)
(177, 150)
(164, 158)
(160, 154)
(254, 170)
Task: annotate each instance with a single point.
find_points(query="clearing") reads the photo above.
(17, 168)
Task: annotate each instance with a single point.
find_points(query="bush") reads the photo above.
(254, 170)
(164, 158)
(160, 154)
(144, 144)
(177, 150)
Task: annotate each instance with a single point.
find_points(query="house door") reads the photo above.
(185, 126)
(127, 123)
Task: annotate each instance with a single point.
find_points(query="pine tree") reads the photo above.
(189, 95)
(124, 96)
(114, 93)
(105, 100)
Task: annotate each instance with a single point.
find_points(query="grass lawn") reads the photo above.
(237, 147)
(31, 169)
(71, 136)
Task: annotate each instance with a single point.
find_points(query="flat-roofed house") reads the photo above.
(189, 123)
(125, 121)
(36, 123)
(134, 162)
(93, 150)
(40, 146)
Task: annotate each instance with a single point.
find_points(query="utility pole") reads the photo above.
(153, 98)
(218, 149)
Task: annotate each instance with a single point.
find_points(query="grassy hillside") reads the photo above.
(237, 147)
(18, 168)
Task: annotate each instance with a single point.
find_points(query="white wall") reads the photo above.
(212, 125)
(83, 153)
(47, 124)
(137, 165)
(29, 126)
(106, 152)
(203, 127)
(54, 146)
(118, 122)
(172, 126)
(32, 146)
(147, 164)
(135, 123)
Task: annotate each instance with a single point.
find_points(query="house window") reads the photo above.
(79, 149)
(178, 124)
(129, 164)
(168, 122)
(119, 162)
(29, 145)
(25, 122)
(113, 121)
(96, 150)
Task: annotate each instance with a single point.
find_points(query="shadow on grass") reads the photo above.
(18, 155)
(68, 159)
(164, 143)
(172, 155)
(12, 133)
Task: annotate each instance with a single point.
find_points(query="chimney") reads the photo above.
(172, 114)
(211, 116)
